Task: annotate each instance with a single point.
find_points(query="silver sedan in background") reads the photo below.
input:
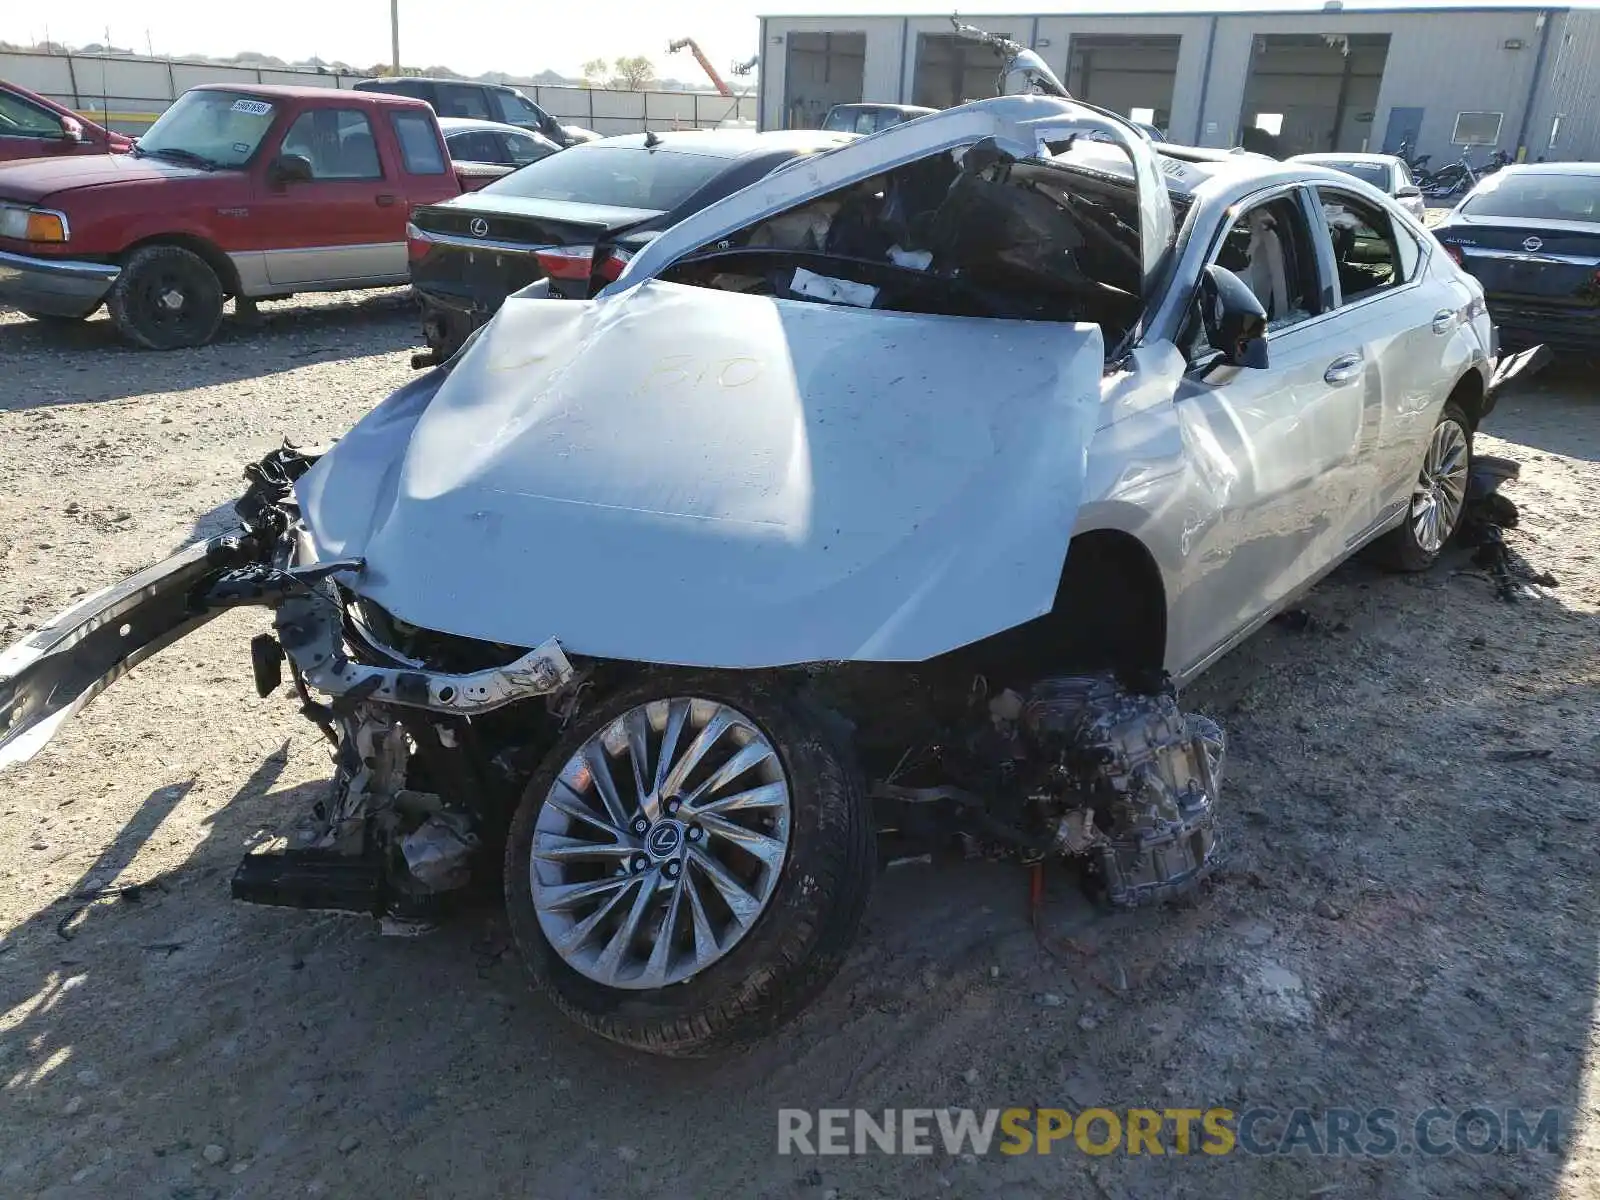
(1386, 172)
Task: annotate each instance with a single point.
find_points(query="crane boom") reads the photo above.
(705, 63)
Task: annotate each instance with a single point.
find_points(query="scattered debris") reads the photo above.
(1326, 909)
(348, 1143)
(214, 1154)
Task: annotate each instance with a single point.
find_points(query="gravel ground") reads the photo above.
(1407, 920)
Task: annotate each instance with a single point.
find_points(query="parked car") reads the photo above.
(481, 102)
(870, 118)
(34, 126)
(881, 493)
(249, 192)
(1386, 172)
(1530, 234)
(577, 217)
(483, 151)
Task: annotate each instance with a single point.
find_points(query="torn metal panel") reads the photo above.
(687, 476)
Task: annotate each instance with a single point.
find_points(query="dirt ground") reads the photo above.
(1407, 920)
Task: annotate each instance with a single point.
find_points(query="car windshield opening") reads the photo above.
(219, 129)
(978, 236)
(1537, 196)
(613, 176)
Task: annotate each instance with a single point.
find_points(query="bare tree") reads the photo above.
(633, 74)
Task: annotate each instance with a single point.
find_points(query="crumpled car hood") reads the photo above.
(681, 475)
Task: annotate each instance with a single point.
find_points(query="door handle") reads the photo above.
(1444, 320)
(1344, 368)
(385, 200)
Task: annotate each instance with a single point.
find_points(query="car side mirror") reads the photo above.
(1408, 191)
(71, 131)
(1235, 323)
(291, 168)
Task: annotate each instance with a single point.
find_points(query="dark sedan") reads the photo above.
(1531, 235)
(575, 218)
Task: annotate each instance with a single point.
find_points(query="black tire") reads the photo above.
(1399, 549)
(166, 298)
(794, 947)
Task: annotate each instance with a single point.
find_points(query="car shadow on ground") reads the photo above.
(50, 361)
(1456, 970)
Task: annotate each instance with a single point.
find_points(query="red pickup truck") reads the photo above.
(249, 192)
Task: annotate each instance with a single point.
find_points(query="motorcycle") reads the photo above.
(1460, 176)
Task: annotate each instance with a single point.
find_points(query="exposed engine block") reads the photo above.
(1130, 780)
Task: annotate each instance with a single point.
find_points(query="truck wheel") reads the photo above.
(166, 298)
(1438, 497)
(689, 864)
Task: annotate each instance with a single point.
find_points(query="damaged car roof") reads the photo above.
(1023, 127)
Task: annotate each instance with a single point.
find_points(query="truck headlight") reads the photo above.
(32, 224)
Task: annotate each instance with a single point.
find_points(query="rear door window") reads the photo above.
(476, 145)
(463, 100)
(1372, 253)
(419, 148)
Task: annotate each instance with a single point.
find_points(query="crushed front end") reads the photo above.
(379, 842)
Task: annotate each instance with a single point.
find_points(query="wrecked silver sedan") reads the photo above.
(898, 492)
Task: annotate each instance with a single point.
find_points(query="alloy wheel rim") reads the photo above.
(1441, 491)
(660, 843)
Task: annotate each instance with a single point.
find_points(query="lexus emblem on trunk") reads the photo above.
(1530, 245)
(480, 228)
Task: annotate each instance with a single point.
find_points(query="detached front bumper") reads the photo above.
(54, 287)
(56, 670)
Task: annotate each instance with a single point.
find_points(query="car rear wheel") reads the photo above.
(166, 298)
(689, 864)
(1438, 498)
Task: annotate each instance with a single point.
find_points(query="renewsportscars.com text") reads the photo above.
(1373, 1132)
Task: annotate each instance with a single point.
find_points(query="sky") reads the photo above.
(474, 36)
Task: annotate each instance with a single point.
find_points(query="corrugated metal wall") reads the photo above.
(1442, 63)
(1570, 92)
(134, 91)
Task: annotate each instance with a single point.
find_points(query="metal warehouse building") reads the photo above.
(1522, 79)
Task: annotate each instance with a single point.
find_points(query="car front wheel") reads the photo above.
(689, 864)
(166, 298)
(1438, 498)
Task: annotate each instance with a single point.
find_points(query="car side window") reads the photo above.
(338, 142)
(1269, 247)
(419, 149)
(523, 150)
(19, 118)
(476, 145)
(463, 100)
(1370, 252)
